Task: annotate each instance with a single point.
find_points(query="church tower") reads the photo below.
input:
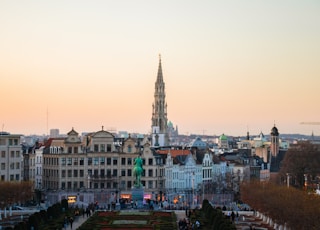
(159, 119)
(274, 148)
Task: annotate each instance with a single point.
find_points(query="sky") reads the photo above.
(229, 66)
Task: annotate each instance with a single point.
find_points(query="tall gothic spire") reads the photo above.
(159, 110)
(160, 77)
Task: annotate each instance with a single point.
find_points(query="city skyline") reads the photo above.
(228, 67)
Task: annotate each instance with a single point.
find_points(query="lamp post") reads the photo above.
(193, 190)
(305, 181)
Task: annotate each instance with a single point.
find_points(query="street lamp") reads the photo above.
(288, 180)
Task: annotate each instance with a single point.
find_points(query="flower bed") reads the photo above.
(130, 220)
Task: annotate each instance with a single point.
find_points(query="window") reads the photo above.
(81, 173)
(129, 184)
(115, 173)
(95, 173)
(102, 185)
(108, 147)
(96, 160)
(63, 173)
(96, 148)
(143, 161)
(75, 161)
(10, 141)
(81, 161)
(17, 165)
(17, 154)
(115, 161)
(81, 184)
(102, 173)
(150, 161)
(123, 161)
(3, 154)
(90, 161)
(75, 149)
(102, 148)
(15, 141)
(75, 173)
(63, 185)
(129, 149)
(150, 184)
(69, 149)
(12, 154)
(114, 185)
(108, 161)
(102, 160)
(63, 161)
(150, 173)
(108, 172)
(129, 161)
(2, 141)
(69, 173)
(11, 165)
(129, 172)
(89, 172)
(3, 166)
(69, 161)
(123, 172)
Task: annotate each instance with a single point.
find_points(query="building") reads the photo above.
(11, 159)
(159, 125)
(98, 167)
(183, 177)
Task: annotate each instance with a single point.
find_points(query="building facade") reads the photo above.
(11, 159)
(100, 164)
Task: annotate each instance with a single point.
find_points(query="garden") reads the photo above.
(130, 220)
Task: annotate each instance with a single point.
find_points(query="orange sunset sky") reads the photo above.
(229, 66)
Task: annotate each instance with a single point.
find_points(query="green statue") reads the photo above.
(137, 171)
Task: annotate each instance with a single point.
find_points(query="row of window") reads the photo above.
(12, 166)
(13, 177)
(13, 154)
(104, 173)
(96, 161)
(11, 142)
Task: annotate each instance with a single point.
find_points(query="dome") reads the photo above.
(170, 124)
(223, 137)
(274, 131)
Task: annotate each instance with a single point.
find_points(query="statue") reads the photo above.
(137, 171)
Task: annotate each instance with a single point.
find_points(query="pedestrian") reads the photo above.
(71, 221)
(233, 215)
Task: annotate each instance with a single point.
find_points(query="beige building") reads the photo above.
(100, 163)
(11, 160)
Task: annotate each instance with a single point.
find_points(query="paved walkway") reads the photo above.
(78, 221)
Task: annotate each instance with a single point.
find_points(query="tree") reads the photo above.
(300, 160)
(300, 210)
(15, 192)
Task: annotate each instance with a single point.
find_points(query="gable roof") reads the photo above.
(174, 152)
